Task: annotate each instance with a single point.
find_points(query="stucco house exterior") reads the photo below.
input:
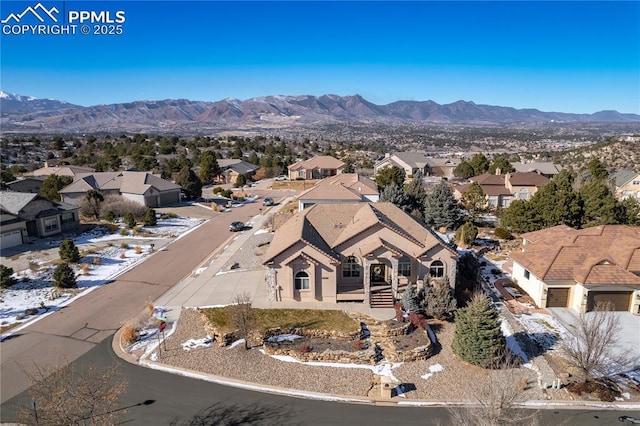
(626, 184)
(318, 167)
(142, 187)
(26, 215)
(363, 252)
(501, 190)
(232, 168)
(544, 168)
(343, 188)
(413, 162)
(566, 267)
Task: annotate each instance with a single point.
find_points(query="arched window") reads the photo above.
(524, 194)
(302, 281)
(351, 267)
(437, 269)
(404, 267)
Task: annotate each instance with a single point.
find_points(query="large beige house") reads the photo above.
(342, 188)
(626, 184)
(418, 162)
(565, 267)
(501, 190)
(142, 187)
(318, 167)
(364, 252)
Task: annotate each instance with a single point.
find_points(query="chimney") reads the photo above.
(498, 171)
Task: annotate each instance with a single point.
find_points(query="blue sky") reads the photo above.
(553, 56)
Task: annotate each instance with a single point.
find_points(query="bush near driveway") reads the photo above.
(68, 251)
(64, 276)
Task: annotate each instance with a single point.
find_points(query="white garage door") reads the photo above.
(10, 239)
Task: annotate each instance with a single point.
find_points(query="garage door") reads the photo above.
(10, 239)
(619, 299)
(557, 297)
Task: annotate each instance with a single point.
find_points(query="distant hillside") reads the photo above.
(614, 154)
(21, 113)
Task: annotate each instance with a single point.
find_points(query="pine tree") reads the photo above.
(390, 176)
(394, 194)
(415, 194)
(438, 301)
(150, 218)
(441, 208)
(209, 167)
(410, 300)
(64, 277)
(466, 234)
(53, 184)
(68, 251)
(189, 182)
(600, 206)
(478, 338)
(464, 170)
(480, 164)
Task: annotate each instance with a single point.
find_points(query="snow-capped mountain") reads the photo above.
(23, 113)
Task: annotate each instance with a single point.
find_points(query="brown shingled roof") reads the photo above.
(605, 254)
(319, 161)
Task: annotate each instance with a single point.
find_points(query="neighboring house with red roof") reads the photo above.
(142, 187)
(318, 167)
(500, 190)
(566, 267)
(343, 188)
(361, 252)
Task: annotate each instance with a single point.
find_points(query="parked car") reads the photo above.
(281, 177)
(236, 226)
(267, 201)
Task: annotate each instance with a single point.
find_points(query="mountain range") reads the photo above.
(27, 114)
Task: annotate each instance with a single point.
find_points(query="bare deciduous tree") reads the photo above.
(496, 397)
(242, 316)
(591, 346)
(66, 395)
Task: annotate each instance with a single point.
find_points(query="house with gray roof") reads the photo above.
(413, 162)
(544, 168)
(26, 215)
(142, 187)
(232, 168)
(626, 184)
(360, 252)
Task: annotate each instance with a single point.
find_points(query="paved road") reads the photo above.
(77, 328)
(171, 397)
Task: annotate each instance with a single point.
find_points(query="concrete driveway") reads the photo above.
(628, 337)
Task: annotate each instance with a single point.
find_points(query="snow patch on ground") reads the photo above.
(283, 338)
(205, 342)
(237, 343)
(436, 368)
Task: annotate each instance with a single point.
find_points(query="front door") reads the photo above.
(378, 274)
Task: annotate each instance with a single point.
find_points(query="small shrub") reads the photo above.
(218, 190)
(495, 271)
(129, 334)
(96, 261)
(150, 218)
(64, 277)
(6, 277)
(124, 232)
(129, 220)
(123, 255)
(34, 266)
(136, 229)
(149, 308)
(305, 348)
(110, 216)
(124, 246)
(503, 234)
(138, 250)
(399, 314)
(168, 216)
(85, 269)
(68, 251)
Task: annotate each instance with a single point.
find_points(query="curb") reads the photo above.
(360, 400)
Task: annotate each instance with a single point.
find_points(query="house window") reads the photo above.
(404, 267)
(67, 217)
(302, 174)
(351, 267)
(437, 269)
(50, 224)
(302, 281)
(526, 274)
(636, 182)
